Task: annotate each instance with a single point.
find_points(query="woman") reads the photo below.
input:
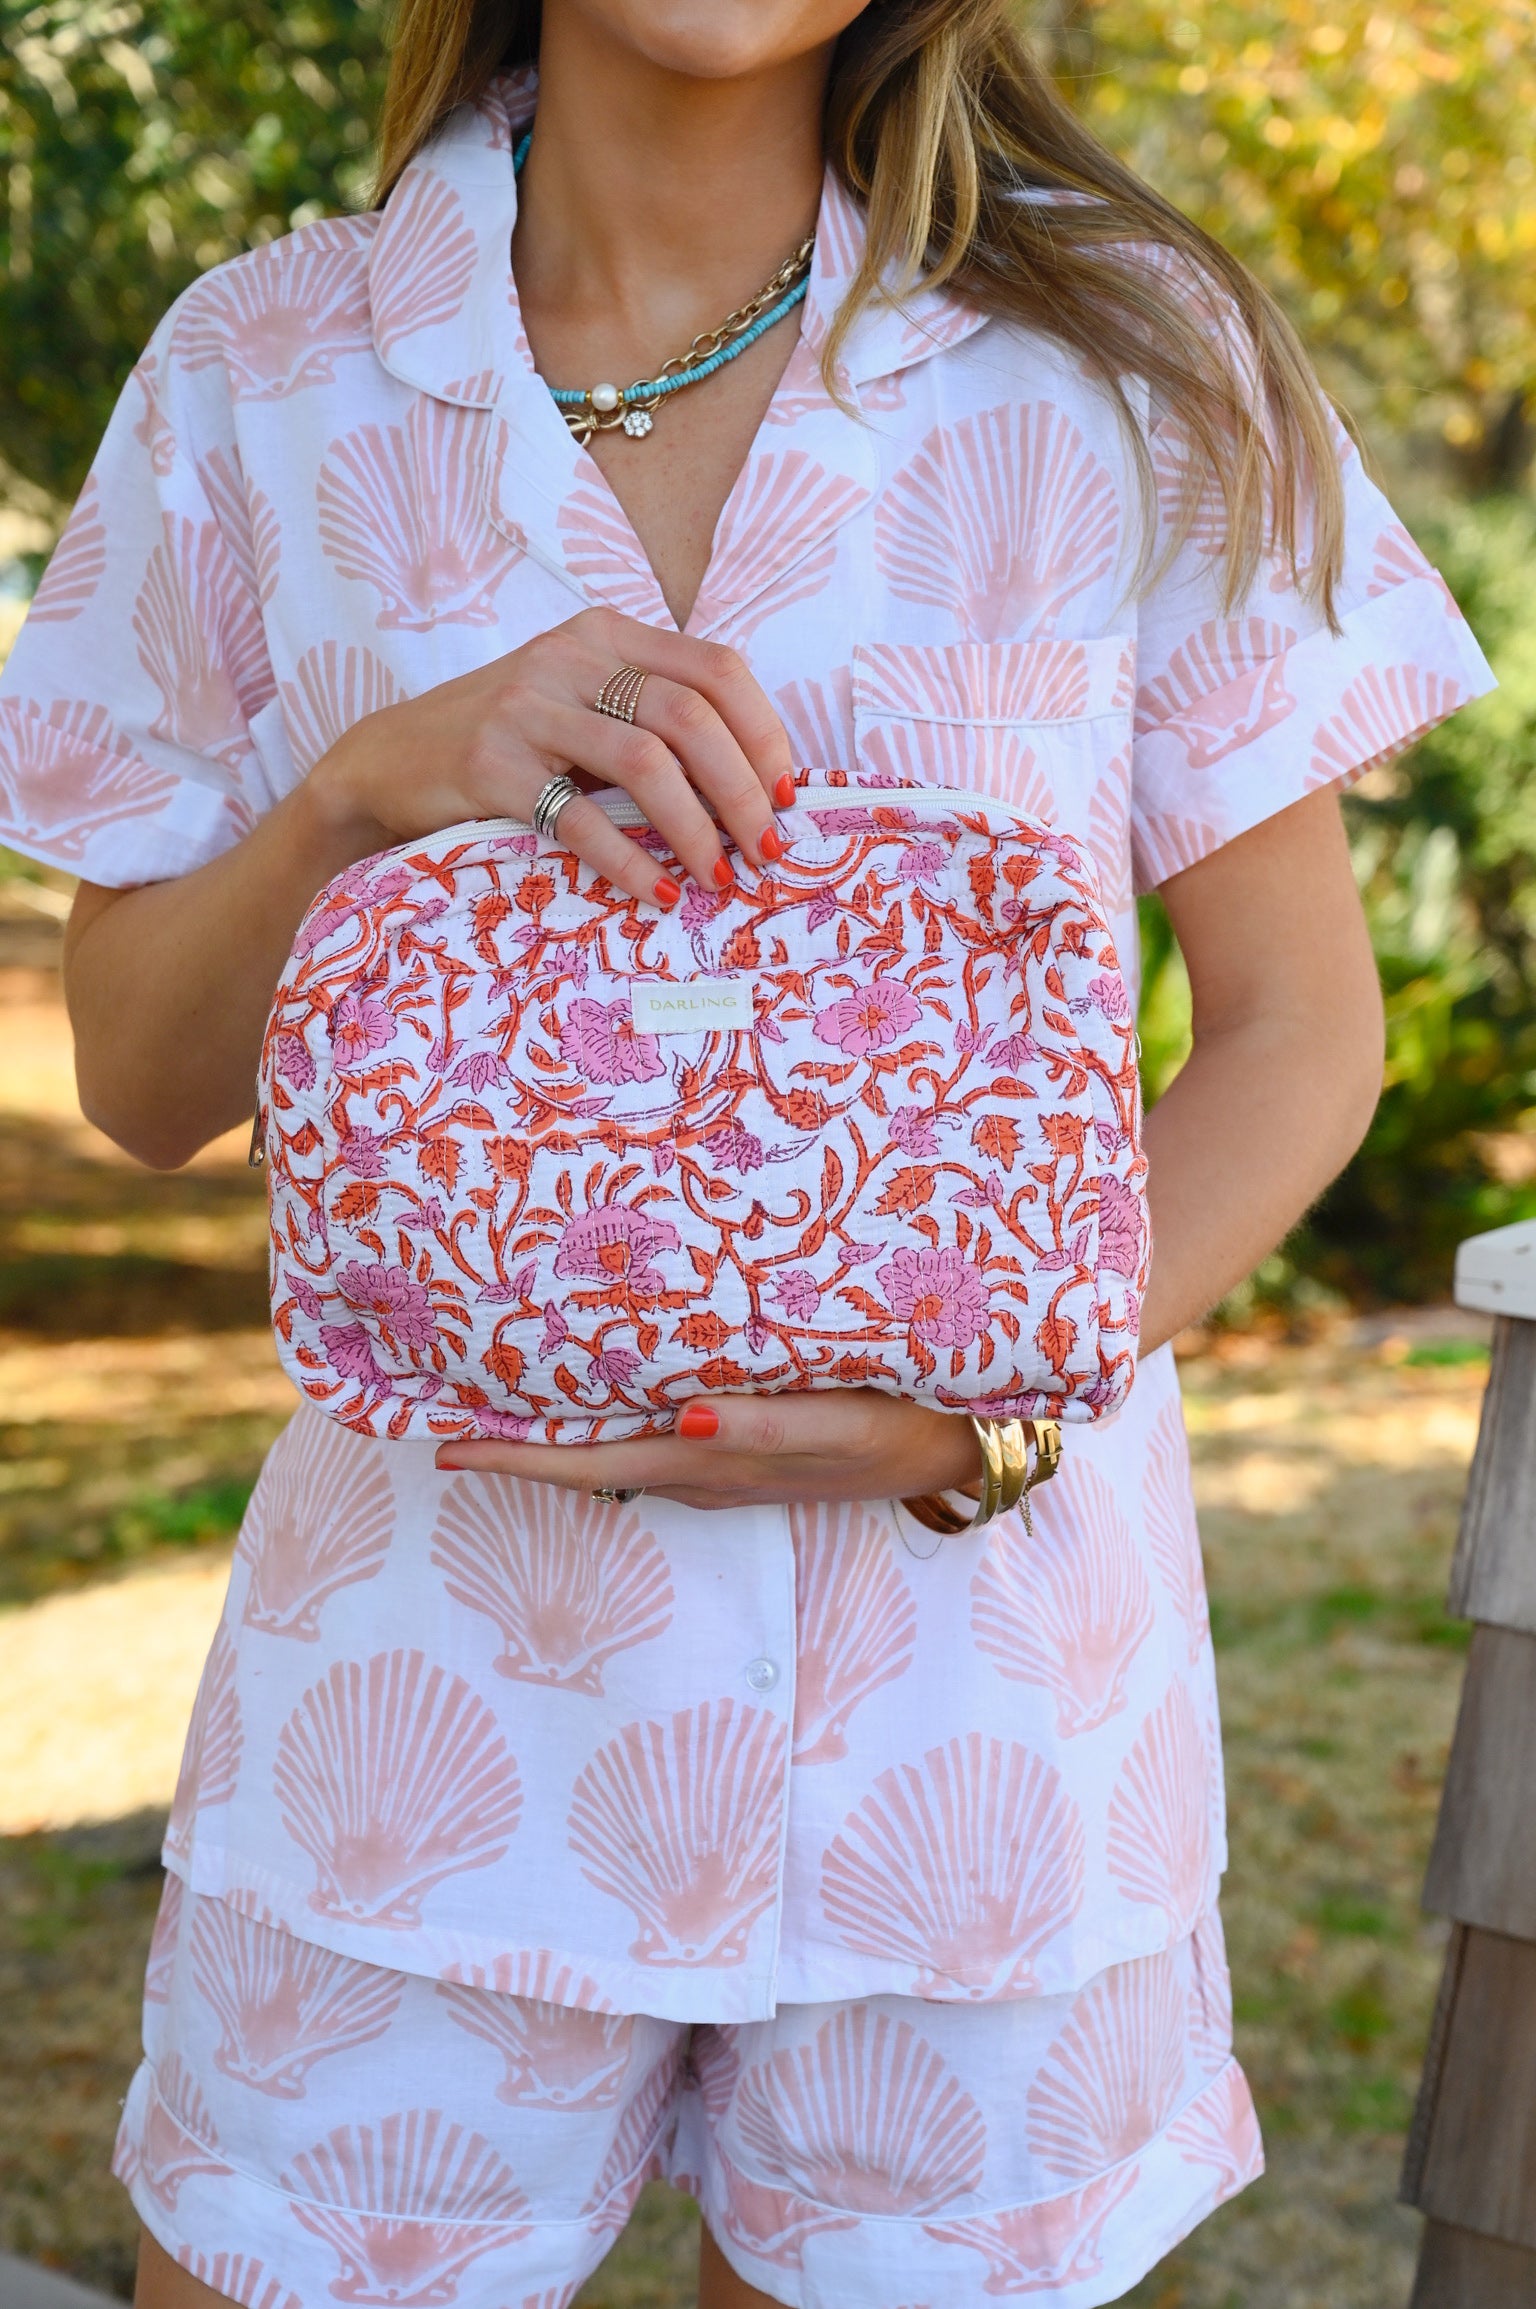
(527, 1844)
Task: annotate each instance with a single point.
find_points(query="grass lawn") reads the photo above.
(137, 1392)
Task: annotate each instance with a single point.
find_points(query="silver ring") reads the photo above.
(552, 800)
(614, 1498)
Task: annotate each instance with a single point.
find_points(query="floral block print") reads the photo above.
(502, 1206)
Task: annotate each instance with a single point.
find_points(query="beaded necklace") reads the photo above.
(604, 408)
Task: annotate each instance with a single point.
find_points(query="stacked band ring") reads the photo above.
(620, 694)
(552, 800)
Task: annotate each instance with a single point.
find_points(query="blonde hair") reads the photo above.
(947, 129)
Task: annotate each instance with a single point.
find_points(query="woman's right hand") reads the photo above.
(704, 738)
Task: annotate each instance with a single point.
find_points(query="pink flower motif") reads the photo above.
(570, 962)
(305, 1294)
(291, 1059)
(392, 1296)
(1119, 1227)
(939, 1295)
(349, 1350)
(1014, 1051)
(922, 862)
(359, 1026)
(834, 822)
(699, 907)
(615, 1245)
(479, 1071)
(869, 1020)
(1110, 996)
(734, 1148)
(503, 1426)
(362, 1151)
(554, 1333)
(599, 1039)
(616, 1365)
(426, 1217)
(912, 1129)
(798, 1291)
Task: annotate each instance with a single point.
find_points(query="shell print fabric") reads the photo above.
(701, 1784)
(408, 2146)
(502, 1205)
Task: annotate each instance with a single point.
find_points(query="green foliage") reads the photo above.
(1373, 164)
(1445, 851)
(1444, 844)
(140, 142)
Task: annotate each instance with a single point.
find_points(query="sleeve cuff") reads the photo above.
(1318, 714)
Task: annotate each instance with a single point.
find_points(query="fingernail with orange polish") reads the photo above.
(771, 844)
(724, 878)
(667, 892)
(698, 1422)
(455, 1466)
(785, 790)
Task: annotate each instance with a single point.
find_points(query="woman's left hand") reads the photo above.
(752, 1450)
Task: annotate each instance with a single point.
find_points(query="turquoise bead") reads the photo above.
(657, 388)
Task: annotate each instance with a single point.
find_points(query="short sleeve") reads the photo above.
(1242, 711)
(131, 704)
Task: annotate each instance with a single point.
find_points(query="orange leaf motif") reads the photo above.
(1064, 1132)
(908, 1191)
(721, 1372)
(439, 1159)
(741, 950)
(504, 1362)
(358, 1201)
(803, 1110)
(997, 1137)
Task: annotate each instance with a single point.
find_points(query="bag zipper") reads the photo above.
(623, 811)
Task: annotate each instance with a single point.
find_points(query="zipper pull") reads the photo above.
(256, 1157)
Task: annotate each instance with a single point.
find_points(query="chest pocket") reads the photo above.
(1032, 723)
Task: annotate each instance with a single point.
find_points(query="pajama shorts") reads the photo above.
(307, 2129)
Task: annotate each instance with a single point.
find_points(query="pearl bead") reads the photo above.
(605, 397)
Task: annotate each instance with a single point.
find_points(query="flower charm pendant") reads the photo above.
(637, 423)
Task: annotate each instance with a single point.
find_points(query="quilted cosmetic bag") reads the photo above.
(545, 1163)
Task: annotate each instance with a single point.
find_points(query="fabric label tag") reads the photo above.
(697, 1006)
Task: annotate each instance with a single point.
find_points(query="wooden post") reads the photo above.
(1471, 2161)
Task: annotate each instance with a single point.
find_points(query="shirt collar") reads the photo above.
(444, 303)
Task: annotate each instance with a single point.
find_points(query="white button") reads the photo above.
(762, 1675)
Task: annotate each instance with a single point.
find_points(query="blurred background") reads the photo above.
(1376, 164)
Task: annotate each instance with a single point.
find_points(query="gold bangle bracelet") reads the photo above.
(1007, 1477)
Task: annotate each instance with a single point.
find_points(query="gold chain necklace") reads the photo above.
(606, 408)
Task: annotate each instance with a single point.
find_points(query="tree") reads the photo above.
(140, 142)
(1375, 162)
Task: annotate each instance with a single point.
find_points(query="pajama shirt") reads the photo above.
(526, 1845)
